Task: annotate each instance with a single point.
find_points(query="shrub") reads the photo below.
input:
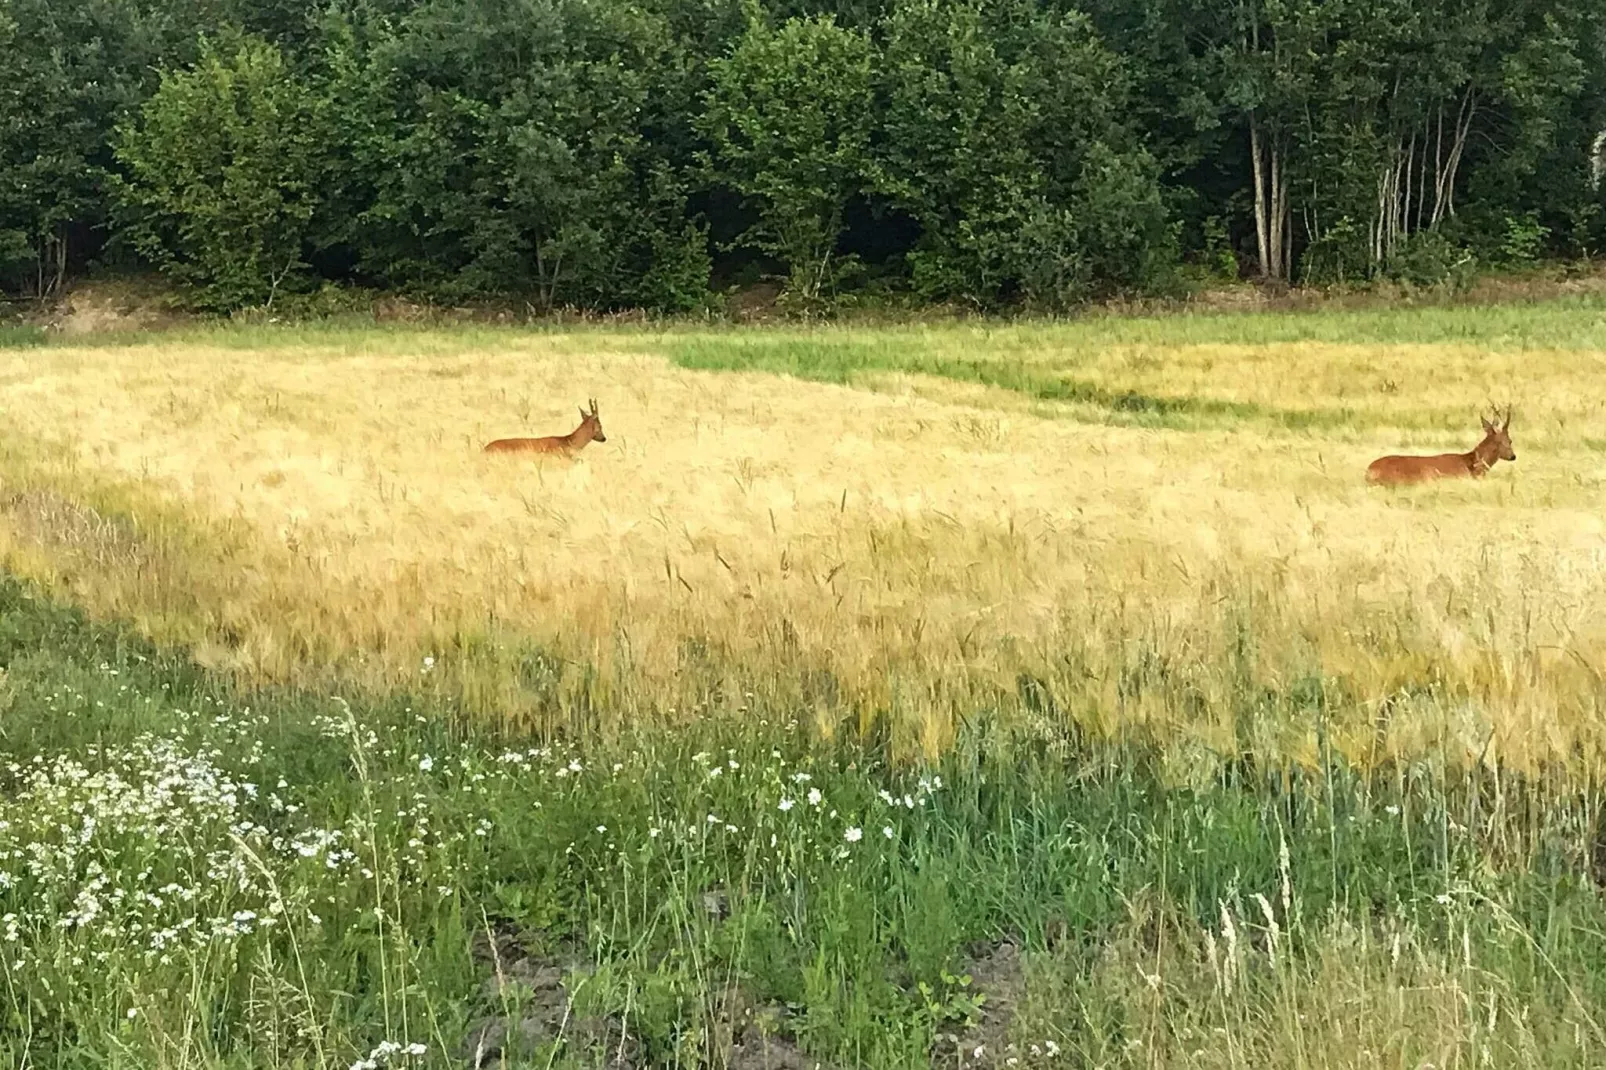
(789, 115)
(1430, 258)
(1004, 138)
(224, 165)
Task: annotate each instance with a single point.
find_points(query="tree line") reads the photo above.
(609, 154)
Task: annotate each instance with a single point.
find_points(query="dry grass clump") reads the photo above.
(1210, 567)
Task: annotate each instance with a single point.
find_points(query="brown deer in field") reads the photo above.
(1496, 446)
(590, 430)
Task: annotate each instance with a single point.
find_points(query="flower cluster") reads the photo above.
(387, 1053)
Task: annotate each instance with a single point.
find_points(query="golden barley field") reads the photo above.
(1128, 526)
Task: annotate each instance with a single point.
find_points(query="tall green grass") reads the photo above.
(14, 336)
(848, 361)
(1054, 361)
(195, 876)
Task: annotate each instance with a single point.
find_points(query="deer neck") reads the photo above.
(581, 436)
(1482, 458)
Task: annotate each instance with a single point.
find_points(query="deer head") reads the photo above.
(1497, 436)
(594, 422)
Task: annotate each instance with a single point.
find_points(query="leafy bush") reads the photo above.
(1216, 249)
(1524, 238)
(66, 72)
(504, 151)
(790, 116)
(16, 251)
(224, 168)
(1340, 254)
(1430, 258)
(1003, 137)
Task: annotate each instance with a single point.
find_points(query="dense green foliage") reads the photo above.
(609, 155)
(223, 174)
(789, 114)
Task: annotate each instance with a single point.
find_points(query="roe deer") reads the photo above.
(590, 430)
(1496, 446)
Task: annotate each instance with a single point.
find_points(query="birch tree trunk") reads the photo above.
(1447, 163)
(1273, 235)
(1256, 163)
(1282, 233)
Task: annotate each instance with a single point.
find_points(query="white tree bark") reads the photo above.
(1273, 235)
